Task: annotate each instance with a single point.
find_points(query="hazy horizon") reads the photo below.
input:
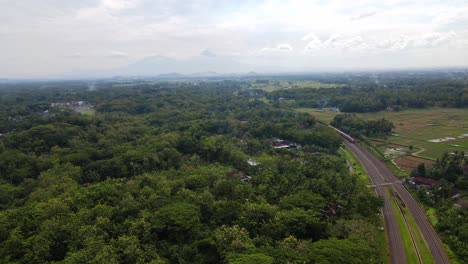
(91, 38)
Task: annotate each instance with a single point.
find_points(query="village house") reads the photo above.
(425, 183)
(252, 162)
(281, 144)
(418, 182)
(461, 204)
(239, 175)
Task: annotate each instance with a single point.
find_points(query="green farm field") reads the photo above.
(325, 116)
(280, 84)
(417, 126)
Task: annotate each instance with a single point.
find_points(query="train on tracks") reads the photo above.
(344, 135)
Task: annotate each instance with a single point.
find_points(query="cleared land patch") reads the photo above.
(273, 85)
(409, 163)
(325, 116)
(416, 127)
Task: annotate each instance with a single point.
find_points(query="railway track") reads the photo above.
(382, 176)
(397, 251)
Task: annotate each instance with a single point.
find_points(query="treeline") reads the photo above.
(371, 97)
(452, 172)
(358, 127)
(146, 132)
(175, 173)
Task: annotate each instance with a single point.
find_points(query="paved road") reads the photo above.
(380, 174)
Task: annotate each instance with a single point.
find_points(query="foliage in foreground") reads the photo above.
(160, 175)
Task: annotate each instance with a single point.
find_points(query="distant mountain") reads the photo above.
(172, 75)
(198, 66)
(165, 67)
(149, 66)
(205, 74)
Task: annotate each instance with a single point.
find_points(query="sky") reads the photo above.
(41, 38)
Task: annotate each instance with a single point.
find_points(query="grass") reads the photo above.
(410, 251)
(383, 249)
(453, 258)
(357, 166)
(324, 116)
(418, 237)
(432, 216)
(395, 170)
(403, 214)
(430, 212)
(274, 85)
(416, 126)
(365, 179)
(91, 112)
(263, 99)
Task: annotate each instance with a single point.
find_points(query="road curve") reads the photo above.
(375, 166)
(397, 251)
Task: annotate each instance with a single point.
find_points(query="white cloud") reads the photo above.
(105, 13)
(117, 55)
(282, 48)
(433, 39)
(208, 53)
(314, 42)
(119, 4)
(364, 15)
(74, 56)
(336, 42)
(358, 43)
(98, 31)
(451, 16)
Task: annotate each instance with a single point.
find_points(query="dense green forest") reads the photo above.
(371, 93)
(174, 172)
(187, 171)
(357, 127)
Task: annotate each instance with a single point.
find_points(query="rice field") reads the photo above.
(409, 163)
(273, 85)
(429, 131)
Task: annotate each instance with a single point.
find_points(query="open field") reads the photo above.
(273, 85)
(325, 116)
(415, 127)
(90, 112)
(409, 163)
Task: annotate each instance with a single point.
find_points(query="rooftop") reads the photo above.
(423, 181)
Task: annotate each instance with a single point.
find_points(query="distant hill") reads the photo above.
(205, 74)
(196, 66)
(172, 75)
